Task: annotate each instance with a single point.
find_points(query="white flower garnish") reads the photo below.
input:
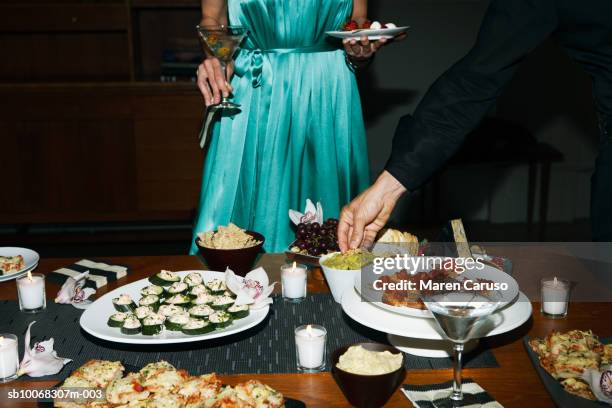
(311, 214)
(41, 359)
(254, 289)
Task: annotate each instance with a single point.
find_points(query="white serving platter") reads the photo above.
(30, 259)
(371, 34)
(502, 321)
(488, 272)
(94, 319)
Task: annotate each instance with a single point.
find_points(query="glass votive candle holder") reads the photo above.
(31, 293)
(310, 348)
(9, 357)
(294, 282)
(554, 297)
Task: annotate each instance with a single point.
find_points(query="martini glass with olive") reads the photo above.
(222, 42)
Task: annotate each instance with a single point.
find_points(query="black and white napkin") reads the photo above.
(436, 395)
(100, 274)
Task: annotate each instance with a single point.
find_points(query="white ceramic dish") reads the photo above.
(30, 259)
(488, 272)
(94, 319)
(371, 34)
(339, 280)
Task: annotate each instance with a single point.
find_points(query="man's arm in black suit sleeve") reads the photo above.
(461, 97)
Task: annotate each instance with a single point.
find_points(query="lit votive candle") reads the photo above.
(555, 297)
(31, 293)
(9, 357)
(310, 348)
(293, 280)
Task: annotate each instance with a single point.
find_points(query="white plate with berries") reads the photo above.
(373, 30)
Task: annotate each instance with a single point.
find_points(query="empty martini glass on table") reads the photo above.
(458, 313)
(221, 42)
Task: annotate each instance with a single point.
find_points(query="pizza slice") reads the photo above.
(11, 264)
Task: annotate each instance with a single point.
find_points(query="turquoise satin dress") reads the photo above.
(300, 132)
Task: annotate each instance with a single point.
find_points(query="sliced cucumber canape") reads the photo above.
(164, 278)
(117, 319)
(170, 310)
(197, 327)
(178, 300)
(124, 303)
(131, 325)
(143, 311)
(193, 279)
(203, 299)
(201, 311)
(238, 312)
(177, 288)
(152, 290)
(153, 324)
(216, 286)
(177, 321)
(220, 319)
(150, 300)
(222, 302)
(199, 290)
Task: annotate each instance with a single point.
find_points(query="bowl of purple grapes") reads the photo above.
(313, 240)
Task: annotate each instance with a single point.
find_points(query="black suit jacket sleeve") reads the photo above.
(460, 98)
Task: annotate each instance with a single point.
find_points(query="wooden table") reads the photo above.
(514, 383)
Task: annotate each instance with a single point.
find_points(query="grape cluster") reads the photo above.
(316, 239)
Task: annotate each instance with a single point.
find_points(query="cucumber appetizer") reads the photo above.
(117, 319)
(216, 286)
(222, 302)
(179, 300)
(124, 303)
(238, 312)
(203, 299)
(170, 310)
(199, 290)
(177, 288)
(220, 319)
(193, 279)
(131, 325)
(143, 311)
(164, 278)
(197, 327)
(152, 290)
(201, 312)
(153, 324)
(150, 300)
(177, 321)
(229, 293)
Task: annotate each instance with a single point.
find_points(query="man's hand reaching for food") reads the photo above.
(367, 214)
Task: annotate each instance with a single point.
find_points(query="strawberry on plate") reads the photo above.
(351, 25)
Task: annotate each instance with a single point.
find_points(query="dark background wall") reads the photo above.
(550, 95)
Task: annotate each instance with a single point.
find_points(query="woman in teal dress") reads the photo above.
(300, 131)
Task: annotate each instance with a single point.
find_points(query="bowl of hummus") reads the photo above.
(230, 247)
(368, 373)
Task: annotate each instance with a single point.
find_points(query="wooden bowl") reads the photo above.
(367, 391)
(238, 260)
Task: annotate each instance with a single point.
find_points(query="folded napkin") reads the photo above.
(435, 395)
(100, 274)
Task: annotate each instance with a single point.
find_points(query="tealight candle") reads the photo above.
(310, 348)
(9, 357)
(293, 279)
(555, 297)
(31, 291)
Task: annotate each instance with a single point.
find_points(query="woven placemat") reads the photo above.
(266, 348)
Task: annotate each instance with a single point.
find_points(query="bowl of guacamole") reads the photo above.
(341, 269)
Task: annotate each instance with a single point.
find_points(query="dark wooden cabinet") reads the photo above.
(87, 133)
